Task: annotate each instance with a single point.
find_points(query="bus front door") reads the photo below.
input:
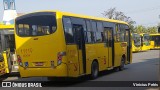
(80, 42)
(129, 45)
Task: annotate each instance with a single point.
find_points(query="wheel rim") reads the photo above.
(95, 70)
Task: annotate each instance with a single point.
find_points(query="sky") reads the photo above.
(144, 12)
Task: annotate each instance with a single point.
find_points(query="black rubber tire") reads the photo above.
(94, 70)
(53, 78)
(116, 69)
(121, 67)
(58, 79)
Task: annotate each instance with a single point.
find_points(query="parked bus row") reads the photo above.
(144, 42)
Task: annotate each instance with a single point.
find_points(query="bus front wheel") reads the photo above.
(94, 70)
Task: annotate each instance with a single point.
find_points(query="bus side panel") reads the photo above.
(96, 52)
(152, 44)
(120, 50)
(118, 54)
(73, 62)
(59, 71)
(90, 54)
(102, 56)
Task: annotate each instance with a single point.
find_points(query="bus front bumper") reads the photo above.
(59, 71)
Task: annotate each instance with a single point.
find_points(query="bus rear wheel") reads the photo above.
(121, 67)
(94, 70)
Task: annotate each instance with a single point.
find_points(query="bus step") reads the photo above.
(110, 68)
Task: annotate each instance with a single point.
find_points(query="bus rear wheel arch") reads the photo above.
(122, 63)
(94, 69)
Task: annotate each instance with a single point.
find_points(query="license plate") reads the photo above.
(39, 64)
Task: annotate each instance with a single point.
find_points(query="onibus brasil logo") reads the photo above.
(21, 84)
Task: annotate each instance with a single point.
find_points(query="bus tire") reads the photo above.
(53, 79)
(121, 67)
(94, 70)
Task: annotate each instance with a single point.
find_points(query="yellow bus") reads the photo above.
(2, 65)
(155, 41)
(145, 42)
(136, 42)
(61, 44)
(7, 46)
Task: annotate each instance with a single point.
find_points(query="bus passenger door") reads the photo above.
(79, 38)
(129, 45)
(110, 45)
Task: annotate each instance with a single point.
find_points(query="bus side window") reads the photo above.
(34, 30)
(113, 27)
(93, 31)
(85, 30)
(127, 33)
(68, 30)
(99, 32)
(118, 38)
(89, 38)
(79, 21)
(122, 32)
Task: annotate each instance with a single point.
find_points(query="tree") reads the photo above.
(152, 29)
(143, 29)
(112, 13)
(1, 23)
(140, 29)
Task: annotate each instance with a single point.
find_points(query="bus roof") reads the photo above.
(81, 16)
(155, 34)
(6, 26)
(91, 17)
(143, 34)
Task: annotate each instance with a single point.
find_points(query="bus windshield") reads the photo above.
(137, 39)
(146, 39)
(156, 39)
(36, 25)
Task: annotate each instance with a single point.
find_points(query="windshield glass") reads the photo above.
(36, 24)
(137, 39)
(156, 40)
(146, 39)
